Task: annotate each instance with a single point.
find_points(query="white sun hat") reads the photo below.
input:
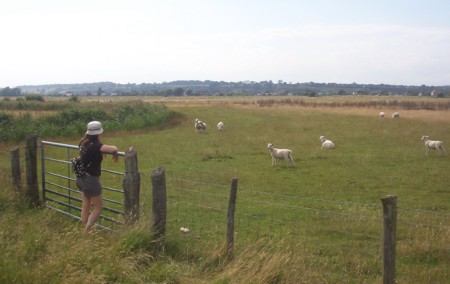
(94, 128)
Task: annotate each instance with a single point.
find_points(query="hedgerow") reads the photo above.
(72, 121)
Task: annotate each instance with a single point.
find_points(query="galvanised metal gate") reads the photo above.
(59, 189)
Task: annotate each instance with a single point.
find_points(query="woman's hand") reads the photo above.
(115, 157)
(107, 149)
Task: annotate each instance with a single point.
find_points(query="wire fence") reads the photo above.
(329, 231)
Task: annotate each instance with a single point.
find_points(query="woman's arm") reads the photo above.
(110, 150)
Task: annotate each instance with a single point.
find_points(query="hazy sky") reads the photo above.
(403, 42)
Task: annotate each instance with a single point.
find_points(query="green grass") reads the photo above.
(317, 222)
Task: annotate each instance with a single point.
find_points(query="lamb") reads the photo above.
(433, 145)
(200, 126)
(381, 115)
(220, 126)
(278, 154)
(326, 144)
(396, 115)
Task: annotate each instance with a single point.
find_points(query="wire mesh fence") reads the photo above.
(328, 231)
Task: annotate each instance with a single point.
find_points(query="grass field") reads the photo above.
(318, 222)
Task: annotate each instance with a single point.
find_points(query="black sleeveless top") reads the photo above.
(92, 157)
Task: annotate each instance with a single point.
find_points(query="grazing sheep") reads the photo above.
(381, 115)
(396, 115)
(200, 126)
(220, 126)
(433, 145)
(278, 154)
(326, 144)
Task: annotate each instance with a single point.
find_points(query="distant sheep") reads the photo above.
(381, 115)
(200, 126)
(433, 145)
(279, 154)
(396, 115)
(326, 144)
(220, 126)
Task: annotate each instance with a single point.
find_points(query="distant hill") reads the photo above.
(221, 88)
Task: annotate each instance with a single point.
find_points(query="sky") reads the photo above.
(399, 42)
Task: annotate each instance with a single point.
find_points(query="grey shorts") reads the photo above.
(89, 185)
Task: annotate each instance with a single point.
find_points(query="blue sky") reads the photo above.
(136, 41)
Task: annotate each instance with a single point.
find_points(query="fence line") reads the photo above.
(341, 228)
(243, 190)
(423, 211)
(196, 203)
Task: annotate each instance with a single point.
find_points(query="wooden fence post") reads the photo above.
(230, 217)
(389, 237)
(159, 203)
(15, 169)
(131, 184)
(32, 193)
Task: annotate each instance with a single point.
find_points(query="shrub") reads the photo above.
(72, 122)
(38, 98)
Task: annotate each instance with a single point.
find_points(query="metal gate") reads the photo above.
(59, 189)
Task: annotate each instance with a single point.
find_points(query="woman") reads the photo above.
(91, 153)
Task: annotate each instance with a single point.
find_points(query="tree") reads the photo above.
(178, 92)
(99, 91)
(168, 92)
(8, 92)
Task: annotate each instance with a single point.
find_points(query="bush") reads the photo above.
(38, 98)
(72, 122)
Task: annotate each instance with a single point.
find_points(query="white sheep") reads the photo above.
(433, 145)
(326, 144)
(381, 115)
(396, 115)
(200, 126)
(278, 154)
(220, 126)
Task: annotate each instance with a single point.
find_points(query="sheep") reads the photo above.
(326, 144)
(278, 154)
(433, 145)
(381, 115)
(220, 126)
(200, 126)
(396, 115)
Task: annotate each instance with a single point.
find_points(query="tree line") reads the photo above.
(221, 88)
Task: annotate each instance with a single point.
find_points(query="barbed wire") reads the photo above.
(423, 225)
(280, 205)
(310, 198)
(424, 211)
(201, 182)
(308, 242)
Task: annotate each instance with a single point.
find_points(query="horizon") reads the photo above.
(378, 42)
(242, 81)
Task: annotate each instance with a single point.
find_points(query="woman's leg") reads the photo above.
(85, 207)
(97, 201)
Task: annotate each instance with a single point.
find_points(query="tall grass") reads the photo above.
(73, 119)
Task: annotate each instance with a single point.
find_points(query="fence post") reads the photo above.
(159, 203)
(32, 193)
(230, 217)
(131, 186)
(15, 169)
(389, 237)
